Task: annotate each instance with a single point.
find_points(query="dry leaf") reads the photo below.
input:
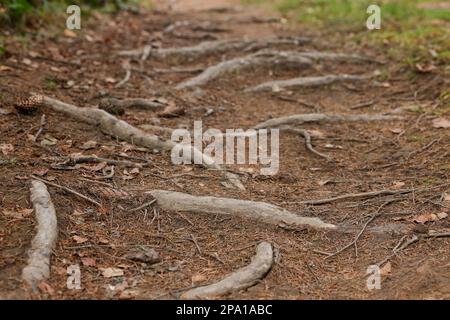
(88, 262)
(171, 111)
(386, 269)
(144, 254)
(6, 148)
(446, 197)
(396, 130)
(429, 217)
(46, 288)
(398, 184)
(91, 144)
(196, 278)
(79, 239)
(110, 80)
(441, 123)
(17, 213)
(134, 171)
(5, 68)
(40, 172)
(69, 33)
(77, 212)
(425, 67)
(111, 272)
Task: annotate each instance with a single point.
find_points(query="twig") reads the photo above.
(68, 190)
(43, 122)
(354, 242)
(307, 137)
(196, 244)
(369, 195)
(145, 205)
(363, 105)
(125, 79)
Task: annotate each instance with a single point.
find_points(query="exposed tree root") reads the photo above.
(238, 280)
(278, 85)
(131, 103)
(321, 117)
(331, 56)
(77, 158)
(38, 267)
(265, 57)
(213, 47)
(307, 137)
(123, 130)
(177, 201)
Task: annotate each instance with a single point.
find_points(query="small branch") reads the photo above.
(125, 79)
(68, 190)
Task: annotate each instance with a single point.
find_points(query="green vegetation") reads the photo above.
(420, 29)
(16, 13)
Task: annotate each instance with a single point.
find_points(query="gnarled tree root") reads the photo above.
(38, 267)
(213, 47)
(268, 213)
(261, 58)
(240, 279)
(321, 117)
(123, 130)
(305, 82)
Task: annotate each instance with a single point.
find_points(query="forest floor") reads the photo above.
(83, 67)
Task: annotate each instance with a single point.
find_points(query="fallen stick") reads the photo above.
(370, 194)
(213, 47)
(120, 129)
(68, 190)
(269, 58)
(85, 159)
(321, 117)
(125, 79)
(268, 213)
(278, 85)
(131, 103)
(38, 267)
(240, 279)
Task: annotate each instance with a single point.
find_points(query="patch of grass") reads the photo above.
(50, 84)
(413, 27)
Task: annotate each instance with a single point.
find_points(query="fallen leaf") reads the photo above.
(69, 33)
(111, 272)
(386, 269)
(398, 184)
(48, 141)
(196, 278)
(427, 217)
(134, 171)
(6, 148)
(442, 215)
(5, 68)
(40, 172)
(425, 67)
(171, 111)
(77, 212)
(17, 213)
(91, 144)
(441, 123)
(446, 197)
(46, 288)
(144, 254)
(110, 80)
(79, 239)
(27, 61)
(396, 130)
(88, 262)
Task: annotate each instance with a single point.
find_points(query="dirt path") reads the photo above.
(199, 248)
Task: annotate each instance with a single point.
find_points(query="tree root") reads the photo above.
(268, 213)
(240, 279)
(38, 267)
(264, 57)
(278, 85)
(321, 117)
(123, 130)
(213, 47)
(131, 103)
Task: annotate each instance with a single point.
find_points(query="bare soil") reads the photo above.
(196, 248)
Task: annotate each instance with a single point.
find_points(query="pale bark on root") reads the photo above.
(242, 278)
(261, 211)
(38, 267)
(300, 82)
(213, 47)
(117, 128)
(261, 58)
(321, 117)
(131, 103)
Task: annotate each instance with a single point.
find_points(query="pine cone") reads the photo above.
(28, 105)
